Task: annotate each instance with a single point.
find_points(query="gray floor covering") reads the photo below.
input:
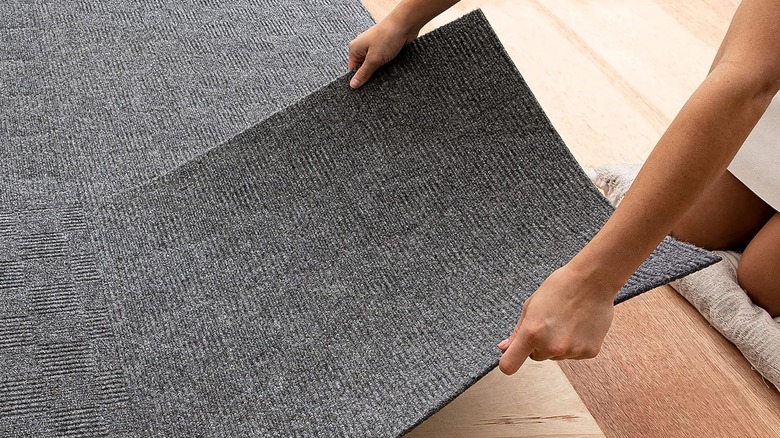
(343, 268)
(99, 96)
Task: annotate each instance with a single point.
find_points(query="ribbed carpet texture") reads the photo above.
(99, 96)
(345, 267)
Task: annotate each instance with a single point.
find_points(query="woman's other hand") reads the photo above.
(566, 318)
(376, 47)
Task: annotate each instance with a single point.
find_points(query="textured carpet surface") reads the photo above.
(343, 268)
(98, 96)
(346, 266)
(95, 98)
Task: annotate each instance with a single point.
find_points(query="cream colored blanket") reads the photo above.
(714, 291)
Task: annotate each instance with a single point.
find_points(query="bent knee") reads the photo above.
(761, 282)
(699, 234)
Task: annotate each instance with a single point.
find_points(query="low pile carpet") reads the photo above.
(99, 96)
(343, 268)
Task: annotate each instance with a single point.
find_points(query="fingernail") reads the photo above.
(503, 343)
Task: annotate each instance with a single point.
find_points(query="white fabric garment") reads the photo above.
(614, 180)
(757, 163)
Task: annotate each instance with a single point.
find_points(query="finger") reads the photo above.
(588, 353)
(539, 356)
(585, 353)
(364, 73)
(357, 55)
(503, 345)
(354, 60)
(514, 357)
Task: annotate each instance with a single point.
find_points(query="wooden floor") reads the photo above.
(611, 75)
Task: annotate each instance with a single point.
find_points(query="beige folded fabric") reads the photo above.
(614, 180)
(714, 291)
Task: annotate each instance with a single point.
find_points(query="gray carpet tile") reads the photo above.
(98, 96)
(343, 268)
(60, 372)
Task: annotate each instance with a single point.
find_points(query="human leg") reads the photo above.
(727, 216)
(759, 268)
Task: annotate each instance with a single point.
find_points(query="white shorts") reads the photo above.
(757, 164)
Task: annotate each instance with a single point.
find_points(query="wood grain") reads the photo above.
(537, 401)
(663, 371)
(611, 75)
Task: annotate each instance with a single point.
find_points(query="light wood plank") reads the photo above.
(663, 371)
(537, 401)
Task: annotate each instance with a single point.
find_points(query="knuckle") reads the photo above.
(534, 332)
(505, 368)
(557, 350)
(592, 352)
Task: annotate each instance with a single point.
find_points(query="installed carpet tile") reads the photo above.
(343, 268)
(99, 96)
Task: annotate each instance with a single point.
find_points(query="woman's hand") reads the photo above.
(566, 318)
(376, 47)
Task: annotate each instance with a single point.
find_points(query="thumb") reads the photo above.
(364, 73)
(503, 345)
(516, 354)
(357, 55)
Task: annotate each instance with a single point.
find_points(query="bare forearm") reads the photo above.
(691, 155)
(570, 314)
(695, 150)
(412, 15)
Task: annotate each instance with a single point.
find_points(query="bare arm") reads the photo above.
(695, 150)
(414, 14)
(382, 42)
(698, 145)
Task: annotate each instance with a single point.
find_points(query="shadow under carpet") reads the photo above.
(346, 266)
